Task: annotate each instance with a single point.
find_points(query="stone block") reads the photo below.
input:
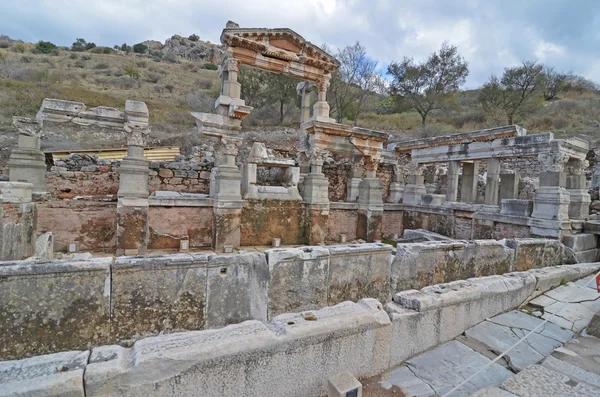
(516, 207)
(298, 279)
(434, 200)
(44, 247)
(342, 385)
(59, 374)
(538, 253)
(581, 242)
(150, 295)
(348, 337)
(46, 308)
(16, 192)
(359, 271)
(237, 289)
(589, 256)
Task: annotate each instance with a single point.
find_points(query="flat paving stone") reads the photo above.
(517, 319)
(407, 381)
(572, 371)
(589, 281)
(499, 338)
(539, 381)
(492, 392)
(451, 363)
(572, 292)
(573, 316)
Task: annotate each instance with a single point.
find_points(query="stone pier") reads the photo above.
(492, 181)
(415, 188)
(27, 163)
(509, 187)
(132, 208)
(452, 183)
(576, 184)
(370, 205)
(470, 177)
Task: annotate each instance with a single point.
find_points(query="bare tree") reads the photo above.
(280, 90)
(427, 84)
(354, 82)
(512, 94)
(553, 82)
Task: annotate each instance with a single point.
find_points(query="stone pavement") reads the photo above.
(548, 363)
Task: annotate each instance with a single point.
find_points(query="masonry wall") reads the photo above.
(169, 225)
(63, 305)
(263, 220)
(257, 358)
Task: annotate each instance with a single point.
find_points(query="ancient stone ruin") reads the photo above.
(219, 274)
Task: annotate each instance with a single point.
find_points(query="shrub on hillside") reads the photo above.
(20, 48)
(171, 58)
(153, 77)
(102, 50)
(73, 56)
(26, 59)
(210, 66)
(141, 64)
(86, 57)
(131, 71)
(80, 64)
(203, 84)
(4, 44)
(169, 87)
(55, 52)
(140, 48)
(194, 37)
(101, 66)
(45, 47)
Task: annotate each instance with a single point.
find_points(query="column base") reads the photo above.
(228, 220)
(316, 189)
(133, 177)
(552, 203)
(132, 228)
(579, 206)
(413, 193)
(28, 165)
(317, 216)
(396, 193)
(227, 183)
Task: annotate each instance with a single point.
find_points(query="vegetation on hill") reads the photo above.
(413, 99)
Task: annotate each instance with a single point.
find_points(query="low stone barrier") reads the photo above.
(61, 305)
(293, 354)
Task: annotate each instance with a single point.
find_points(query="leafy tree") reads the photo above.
(427, 85)
(132, 71)
(210, 66)
(45, 47)
(280, 90)
(89, 46)
(553, 82)
(252, 81)
(140, 48)
(513, 94)
(194, 37)
(78, 45)
(125, 48)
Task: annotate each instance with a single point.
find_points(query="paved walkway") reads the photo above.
(548, 363)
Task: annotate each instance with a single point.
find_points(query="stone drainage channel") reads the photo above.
(559, 359)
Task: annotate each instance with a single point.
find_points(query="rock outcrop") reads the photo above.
(193, 50)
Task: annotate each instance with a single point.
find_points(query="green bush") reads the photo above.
(45, 47)
(132, 71)
(86, 57)
(171, 58)
(20, 48)
(140, 48)
(73, 56)
(210, 66)
(125, 48)
(153, 77)
(194, 37)
(141, 64)
(55, 52)
(80, 64)
(102, 50)
(101, 66)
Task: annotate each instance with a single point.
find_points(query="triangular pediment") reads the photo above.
(281, 43)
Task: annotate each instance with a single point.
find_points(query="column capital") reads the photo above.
(27, 126)
(323, 83)
(136, 133)
(229, 64)
(553, 161)
(577, 166)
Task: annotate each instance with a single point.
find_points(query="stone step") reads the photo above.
(592, 227)
(589, 256)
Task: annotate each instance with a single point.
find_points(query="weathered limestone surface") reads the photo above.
(157, 294)
(59, 374)
(421, 264)
(224, 362)
(538, 253)
(359, 271)
(298, 279)
(236, 289)
(538, 380)
(46, 308)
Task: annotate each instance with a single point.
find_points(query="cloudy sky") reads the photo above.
(491, 34)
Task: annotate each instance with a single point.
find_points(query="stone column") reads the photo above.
(415, 188)
(550, 215)
(227, 195)
(370, 203)
(470, 177)
(396, 186)
(452, 181)
(27, 163)
(509, 187)
(305, 89)
(132, 207)
(316, 197)
(576, 183)
(492, 181)
(321, 107)
(354, 180)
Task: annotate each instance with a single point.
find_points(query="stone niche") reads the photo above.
(259, 157)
